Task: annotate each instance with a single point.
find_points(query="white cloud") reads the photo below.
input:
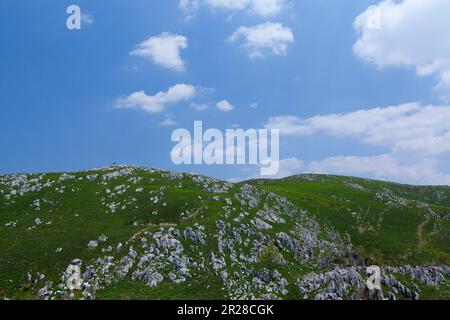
(408, 127)
(411, 33)
(253, 105)
(385, 167)
(416, 137)
(168, 122)
(157, 102)
(87, 19)
(264, 8)
(228, 4)
(224, 106)
(267, 8)
(200, 106)
(189, 6)
(288, 167)
(264, 39)
(163, 50)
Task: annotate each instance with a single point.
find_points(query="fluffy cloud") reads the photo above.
(408, 127)
(415, 135)
(289, 167)
(163, 50)
(263, 8)
(267, 8)
(264, 39)
(411, 33)
(224, 106)
(157, 102)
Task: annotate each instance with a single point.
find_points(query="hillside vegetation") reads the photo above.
(139, 233)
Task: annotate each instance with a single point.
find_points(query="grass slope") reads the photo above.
(47, 220)
(391, 224)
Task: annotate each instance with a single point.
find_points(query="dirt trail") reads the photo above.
(420, 233)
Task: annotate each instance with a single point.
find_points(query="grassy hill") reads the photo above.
(139, 233)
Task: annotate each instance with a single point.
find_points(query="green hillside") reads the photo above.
(139, 233)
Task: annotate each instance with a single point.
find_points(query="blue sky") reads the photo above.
(60, 88)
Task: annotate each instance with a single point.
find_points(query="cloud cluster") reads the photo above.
(384, 167)
(409, 127)
(416, 136)
(163, 50)
(158, 102)
(224, 106)
(411, 33)
(264, 39)
(264, 8)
